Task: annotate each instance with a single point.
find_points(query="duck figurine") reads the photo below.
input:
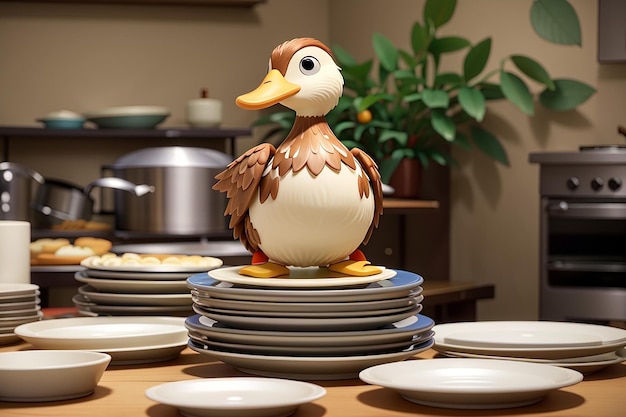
(311, 201)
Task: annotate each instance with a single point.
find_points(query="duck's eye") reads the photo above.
(309, 65)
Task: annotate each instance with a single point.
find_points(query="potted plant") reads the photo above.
(401, 106)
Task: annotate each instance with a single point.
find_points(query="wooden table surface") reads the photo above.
(120, 393)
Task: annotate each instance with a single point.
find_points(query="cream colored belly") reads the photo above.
(313, 221)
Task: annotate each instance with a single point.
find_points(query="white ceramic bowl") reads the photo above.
(50, 375)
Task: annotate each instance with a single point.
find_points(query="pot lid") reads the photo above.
(173, 156)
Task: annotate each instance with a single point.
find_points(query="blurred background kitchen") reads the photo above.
(86, 56)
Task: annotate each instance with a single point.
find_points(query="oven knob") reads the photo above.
(573, 183)
(615, 183)
(597, 183)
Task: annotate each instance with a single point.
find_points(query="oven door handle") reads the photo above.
(587, 210)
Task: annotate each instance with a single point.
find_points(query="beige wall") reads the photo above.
(494, 209)
(86, 57)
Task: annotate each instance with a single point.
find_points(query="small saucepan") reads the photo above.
(57, 201)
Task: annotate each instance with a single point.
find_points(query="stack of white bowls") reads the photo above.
(584, 347)
(19, 304)
(305, 327)
(134, 289)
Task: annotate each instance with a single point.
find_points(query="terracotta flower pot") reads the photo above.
(407, 179)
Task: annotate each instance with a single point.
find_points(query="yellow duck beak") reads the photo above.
(273, 89)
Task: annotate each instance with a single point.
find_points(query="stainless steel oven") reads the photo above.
(583, 234)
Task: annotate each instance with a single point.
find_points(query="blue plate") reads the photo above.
(403, 284)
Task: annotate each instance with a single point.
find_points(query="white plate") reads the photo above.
(471, 383)
(118, 310)
(402, 285)
(20, 313)
(584, 364)
(308, 324)
(97, 333)
(611, 338)
(308, 314)
(22, 305)
(130, 275)
(307, 368)
(313, 277)
(91, 295)
(129, 286)
(146, 354)
(305, 307)
(395, 332)
(93, 262)
(309, 350)
(237, 396)
(8, 291)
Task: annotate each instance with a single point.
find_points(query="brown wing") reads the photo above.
(240, 181)
(371, 169)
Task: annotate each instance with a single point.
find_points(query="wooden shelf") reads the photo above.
(401, 204)
(205, 3)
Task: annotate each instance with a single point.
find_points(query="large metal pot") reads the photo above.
(183, 202)
(16, 190)
(57, 200)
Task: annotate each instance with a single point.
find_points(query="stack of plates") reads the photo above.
(136, 289)
(19, 304)
(583, 347)
(307, 326)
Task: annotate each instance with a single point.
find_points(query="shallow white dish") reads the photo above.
(308, 324)
(133, 286)
(288, 307)
(21, 305)
(98, 333)
(471, 383)
(9, 291)
(20, 313)
(93, 262)
(237, 396)
(90, 308)
(585, 364)
(94, 296)
(146, 354)
(307, 368)
(313, 277)
(395, 332)
(50, 375)
(402, 285)
(610, 338)
(135, 275)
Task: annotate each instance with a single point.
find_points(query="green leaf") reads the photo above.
(533, 69)
(401, 137)
(439, 11)
(448, 78)
(435, 98)
(342, 56)
(491, 91)
(448, 44)
(345, 125)
(412, 97)
(489, 144)
(567, 95)
(443, 124)
(368, 101)
(462, 141)
(556, 21)
(517, 92)
(473, 102)
(419, 39)
(476, 59)
(385, 51)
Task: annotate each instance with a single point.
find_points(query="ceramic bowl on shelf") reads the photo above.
(50, 375)
(128, 117)
(62, 119)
